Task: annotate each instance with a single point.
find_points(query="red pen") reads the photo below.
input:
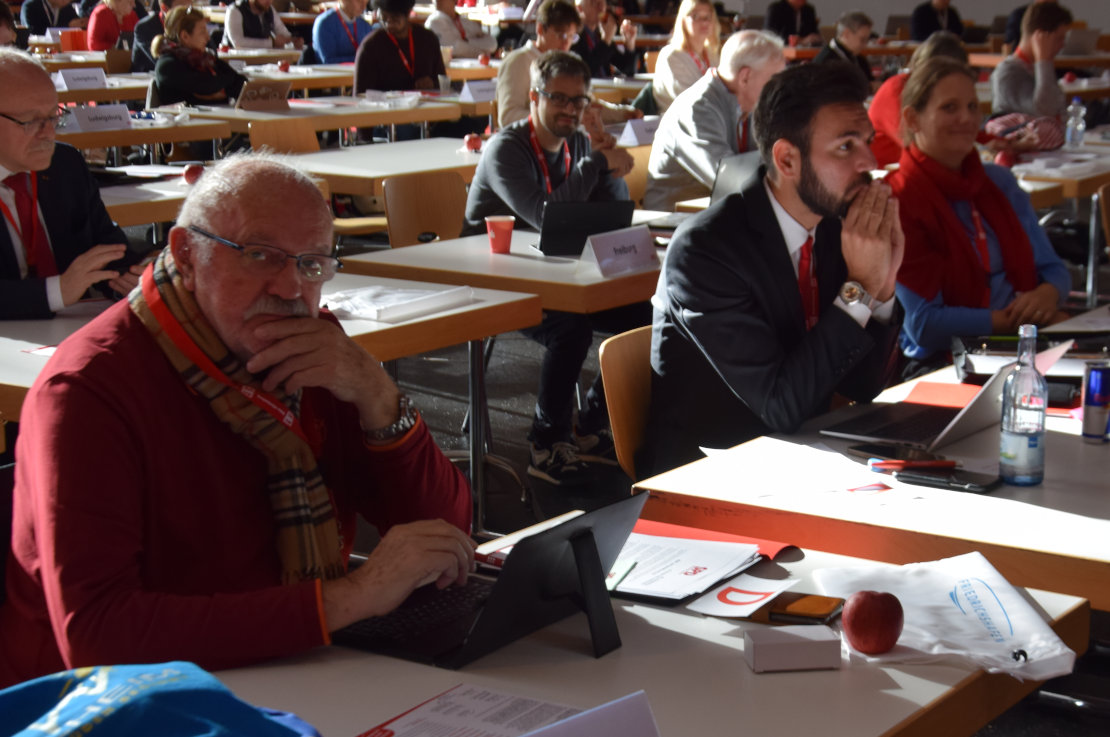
(880, 465)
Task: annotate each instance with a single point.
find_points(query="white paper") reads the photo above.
(621, 251)
(389, 304)
(675, 568)
(1094, 321)
(83, 78)
(478, 90)
(628, 716)
(740, 596)
(639, 131)
(473, 711)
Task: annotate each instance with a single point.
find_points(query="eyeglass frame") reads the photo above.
(553, 98)
(242, 249)
(41, 123)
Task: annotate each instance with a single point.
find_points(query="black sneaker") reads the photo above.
(559, 464)
(597, 447)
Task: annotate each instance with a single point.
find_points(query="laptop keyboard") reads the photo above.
(920, 427)
(428, 608)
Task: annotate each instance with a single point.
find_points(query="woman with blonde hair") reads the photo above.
(694, 48)
(976, 260)
(187, 70)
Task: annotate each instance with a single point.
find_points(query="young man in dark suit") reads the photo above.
(781, 295)
(57, 239)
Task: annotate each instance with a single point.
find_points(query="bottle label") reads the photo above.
(1022, 456)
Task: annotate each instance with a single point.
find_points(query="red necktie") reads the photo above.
(744, 135)
(807, 283)
(40, 260)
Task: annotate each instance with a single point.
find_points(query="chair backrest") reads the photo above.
(998, 25)
(285, 136)
(637, 178)
(650, 58)
(626, 375)
(118, 61)
(423, 207)
(896, 25)
(153, 97)
(7, 486)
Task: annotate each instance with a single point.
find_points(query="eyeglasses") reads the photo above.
(558, 99)
(35, 126)
(268, 261)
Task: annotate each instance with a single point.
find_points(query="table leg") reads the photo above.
(477, 378)
(1093, 252)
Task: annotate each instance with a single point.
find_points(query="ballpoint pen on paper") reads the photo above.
(881, 465)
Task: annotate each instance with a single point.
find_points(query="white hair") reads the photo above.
(748, 49)
(19, 64)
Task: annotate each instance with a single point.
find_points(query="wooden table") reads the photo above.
(362, 169)
(561, 283)
(251, 57)
(461, 70)
(120, 88)
(309, 77)
(990, 61)
(1084, 89)
(292, 18)
(330, 113)
(75, 60)
(785, 488)
(617, 90)
(139, 135)
(691, 667)
(141, 203)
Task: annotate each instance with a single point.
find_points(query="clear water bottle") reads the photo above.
(1024, 400)
(1077, 123)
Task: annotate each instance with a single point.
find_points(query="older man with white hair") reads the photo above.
(237, 433)
(710, 120)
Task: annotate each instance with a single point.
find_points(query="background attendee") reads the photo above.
(187, 70)
(1025, 81)
(109, 19)
(595, 42)
(788, 18)
(1013, 25)
(338, 32)
(710, 120)
(224, 535)
(467, 38)
(977, 262)
(693, 49)
(38, 15)
(398, 55)
(153, 25)
(885, 109)
(932, 16)
(253, 24)
(853, 31)
(557, 24)
(545, 158)
(7, 25)
(780, 295)
(56, 239)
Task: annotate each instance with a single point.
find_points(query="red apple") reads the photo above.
(1070, 77)
(872, 621)
(283, 66)
(483, 59)
(192, 173)
(472, 142)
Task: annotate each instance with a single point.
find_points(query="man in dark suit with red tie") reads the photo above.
(57, 239)
(779, 296)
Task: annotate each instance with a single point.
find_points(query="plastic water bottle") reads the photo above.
(1077, 123)
(1024, 399)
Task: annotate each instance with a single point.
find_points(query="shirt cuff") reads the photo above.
(861, 313)
(54, 293)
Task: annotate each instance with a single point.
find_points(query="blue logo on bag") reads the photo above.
(975, 597)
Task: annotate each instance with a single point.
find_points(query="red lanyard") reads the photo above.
(352, 32)
(588, 35)
(981, 239)
(703, 64)
(742, 134)
(543, 159)
(459, 26)
(1019, 53)
(412, 54)
(28, 242)
(177, 335)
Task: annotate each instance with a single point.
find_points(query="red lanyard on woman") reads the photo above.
(459, 26)
(412, 54)
(981, 239)
(352, 32)
(703, 64)
(543, 159)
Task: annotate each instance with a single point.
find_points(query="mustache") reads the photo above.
(271, 305)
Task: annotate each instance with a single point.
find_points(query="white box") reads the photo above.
(793, 647)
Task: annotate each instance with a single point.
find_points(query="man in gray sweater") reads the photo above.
(545, 158)
(1025, 81)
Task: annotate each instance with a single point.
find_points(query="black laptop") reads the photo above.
(567, 225)
(547, 577)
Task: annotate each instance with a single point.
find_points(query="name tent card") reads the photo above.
(479, 90)
(101, 118)
(84, 79)
(621, 251)
(639, 131)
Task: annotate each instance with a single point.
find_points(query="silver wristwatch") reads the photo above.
(403, 424)
(852, 292)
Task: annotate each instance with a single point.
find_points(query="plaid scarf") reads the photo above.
(307, 531)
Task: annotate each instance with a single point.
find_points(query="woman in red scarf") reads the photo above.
(977, 262)
(187, 70)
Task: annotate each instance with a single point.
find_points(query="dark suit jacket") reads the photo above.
(76, 220)
(33, 15)
(142, 58)
(924, 22)
(731, 358)
(603, 59)
(1013, 26)
(780, 20)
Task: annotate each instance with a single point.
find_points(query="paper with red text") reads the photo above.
(741, 596)
(674, 568)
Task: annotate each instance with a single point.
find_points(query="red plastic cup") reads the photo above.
(500, 229)
(792, 40)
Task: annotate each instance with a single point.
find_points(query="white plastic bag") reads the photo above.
(959, 610)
